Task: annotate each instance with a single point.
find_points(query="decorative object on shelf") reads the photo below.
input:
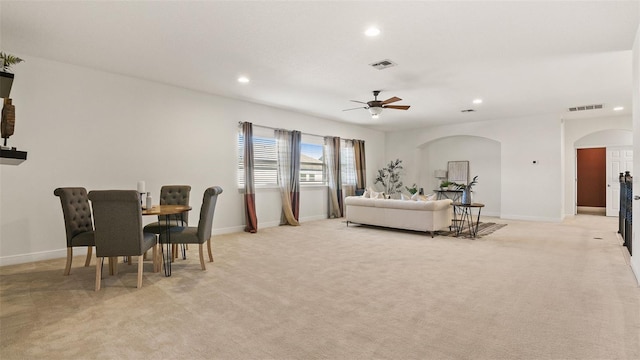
(6, 77)
(466, 190)
(440, 174)
(8, 123)
(413, 189)
(444, 185)
(389, 177)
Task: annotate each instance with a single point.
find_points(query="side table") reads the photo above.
(463, 214)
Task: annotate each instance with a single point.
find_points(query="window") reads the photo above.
(347, 163)
(265, 160)
(311, 164)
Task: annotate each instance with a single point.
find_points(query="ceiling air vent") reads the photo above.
(586, 107)
(467, 110)
(383, 64)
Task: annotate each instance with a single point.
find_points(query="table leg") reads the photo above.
(475, 230)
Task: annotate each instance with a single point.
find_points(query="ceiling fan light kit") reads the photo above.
(376, 106)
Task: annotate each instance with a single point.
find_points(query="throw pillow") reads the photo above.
(415, 197)
(377, 195)
(404, 197)
(366, 194)
(432, 197)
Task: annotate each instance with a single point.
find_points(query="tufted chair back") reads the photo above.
(76, 211)
(175, 195)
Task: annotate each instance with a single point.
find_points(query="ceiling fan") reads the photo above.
(375, 106)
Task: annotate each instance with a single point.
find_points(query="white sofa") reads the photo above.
(401, 214)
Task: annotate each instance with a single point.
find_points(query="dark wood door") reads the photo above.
(592, 177)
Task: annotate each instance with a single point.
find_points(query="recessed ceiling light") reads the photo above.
(243, 79)
(372, 31)
(477, 101)
(618, 108)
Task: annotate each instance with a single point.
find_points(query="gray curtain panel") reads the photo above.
(288, 153)
(332, 162)
(249, 188)
(361, 166)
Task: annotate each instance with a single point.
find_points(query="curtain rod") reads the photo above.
(272, 128)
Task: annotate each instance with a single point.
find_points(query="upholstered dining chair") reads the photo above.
(77, 222)
(118, 229)
(202, 233)
(171, 195)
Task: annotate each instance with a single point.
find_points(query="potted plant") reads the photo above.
(466, 190)
(445, 184)
(413, 189)
(389, 177)
(6, 77)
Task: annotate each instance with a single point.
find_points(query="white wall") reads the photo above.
(595, 132)
(635, 259)
(528, 191)
(83, 127)
(484, 161)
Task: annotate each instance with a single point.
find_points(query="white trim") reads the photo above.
(530, 218)
(42, 255)
(635, 270)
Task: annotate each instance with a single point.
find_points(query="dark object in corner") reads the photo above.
(8, 124)
(6, 80)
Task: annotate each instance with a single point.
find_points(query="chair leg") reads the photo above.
(140, 268)
(67, 268)
(87, 262)
(99, 262)
(113, 265)
(209, 249)
(156, 265)
(201, 250)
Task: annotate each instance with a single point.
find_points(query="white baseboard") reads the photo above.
(39, 256)
(530, 218)
(635, 268)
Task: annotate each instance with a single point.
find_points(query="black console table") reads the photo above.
(449, 194)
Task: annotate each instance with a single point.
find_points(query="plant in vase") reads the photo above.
(466, 190)
(444, 185)
(389, 177)
(6, 77)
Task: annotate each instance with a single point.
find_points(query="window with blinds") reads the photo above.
(347, 164)
(265, 162)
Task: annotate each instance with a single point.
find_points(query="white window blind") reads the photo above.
(265, 161)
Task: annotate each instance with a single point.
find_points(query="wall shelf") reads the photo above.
(12, 156)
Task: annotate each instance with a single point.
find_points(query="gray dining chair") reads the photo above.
(171, 195)
(202, 233)
(118, 229)
(77, 222)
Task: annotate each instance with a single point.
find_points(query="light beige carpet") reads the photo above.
(327, 291)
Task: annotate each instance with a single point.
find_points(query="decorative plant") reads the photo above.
(389, 177)
(469, 185)
(413, 189)
(445, 184)
(8, 60)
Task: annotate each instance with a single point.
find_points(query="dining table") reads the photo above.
(170, 211)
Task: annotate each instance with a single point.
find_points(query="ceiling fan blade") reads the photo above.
(391, 100)
(361, 102)
(362, 107)
(397, 107)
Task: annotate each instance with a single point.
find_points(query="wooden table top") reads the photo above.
(166, 209)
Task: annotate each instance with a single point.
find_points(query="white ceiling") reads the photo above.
(521, 57)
